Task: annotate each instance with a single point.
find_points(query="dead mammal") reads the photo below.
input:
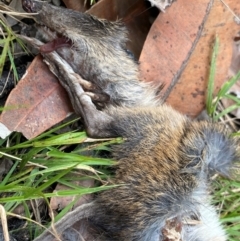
(164, 162)
(113, 73)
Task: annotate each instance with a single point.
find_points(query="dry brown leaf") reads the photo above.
(173, 35)
(42, 100)
(233, 70)
(161, 4)
(58, 203)
(171, 40)
(37, 103)
(78, 5)
(134, 14)
(235, 61)
(195, 77)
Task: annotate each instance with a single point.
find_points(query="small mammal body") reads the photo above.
(166, 159)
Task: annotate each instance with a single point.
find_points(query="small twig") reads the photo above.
(36, 165)
(235, 15)
(51, 214)
(34, 204)
(11, 156)
(5, 84)
(236, 190)
(4, 223)
(29, 220)
(226, 119)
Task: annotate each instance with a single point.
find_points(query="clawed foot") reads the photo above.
(28, 6)
(32, 6)
(91, 90)
(82, 102)
(95, 120)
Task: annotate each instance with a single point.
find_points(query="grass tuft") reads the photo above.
(51, 158)
(226, 193)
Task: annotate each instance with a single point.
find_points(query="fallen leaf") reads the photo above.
(37, 103)
(59, 203)
(178, 50)
(235, 61)
(171, 40)
(78, 5)
(161, 4)
(233, 70)
(133, 13)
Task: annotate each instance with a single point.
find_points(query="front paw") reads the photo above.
(31, 6)
(28, 6)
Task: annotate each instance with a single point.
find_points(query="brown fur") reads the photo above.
(165, 161)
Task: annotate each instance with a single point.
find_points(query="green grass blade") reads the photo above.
(210, 87)
(226, 111)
